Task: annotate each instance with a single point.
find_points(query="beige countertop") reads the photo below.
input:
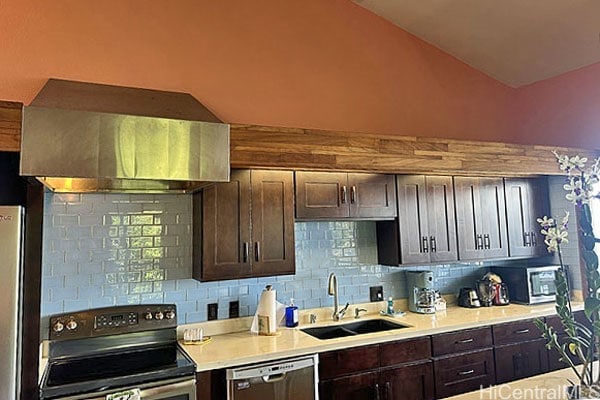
(244, 347)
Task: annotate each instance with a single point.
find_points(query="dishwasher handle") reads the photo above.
(274, 378)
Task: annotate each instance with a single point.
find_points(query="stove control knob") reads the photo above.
(148, 316)
(72, 325)
(170, 314)
(159, 315)
(58, 327)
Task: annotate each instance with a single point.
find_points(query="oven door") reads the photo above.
(166, 390)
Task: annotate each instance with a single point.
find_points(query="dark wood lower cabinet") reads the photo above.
(463, 373)
(520, 360)
(406, 382)
(409, 382)
(357, 386)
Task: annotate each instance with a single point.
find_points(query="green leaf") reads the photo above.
(591, 306)
(588, 242)
(591, 260)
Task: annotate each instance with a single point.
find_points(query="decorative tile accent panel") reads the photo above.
(104, 250)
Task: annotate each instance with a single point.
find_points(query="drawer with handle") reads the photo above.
(514, 332)
(463, 373)
(457, 342)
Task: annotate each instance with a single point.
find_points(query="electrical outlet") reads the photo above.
(213, 311)
(376, 293)
(234, 309)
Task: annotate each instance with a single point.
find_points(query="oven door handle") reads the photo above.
(179, 388)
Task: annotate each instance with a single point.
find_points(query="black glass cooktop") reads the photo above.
(102, 372)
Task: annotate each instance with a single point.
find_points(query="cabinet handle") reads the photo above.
(469, 372)
(377, 397)
(522, 331)
(257, 251)
(533, 239)
(246, 252)
(463, 341)
(526, 240)
(344, 194)
(425, 247)
(486, 241)
(433, 244)
(352, 194)
(479, 242)
(388, 391)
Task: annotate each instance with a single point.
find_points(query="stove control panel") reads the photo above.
(112, 320)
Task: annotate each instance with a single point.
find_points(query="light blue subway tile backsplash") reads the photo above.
(106, 249)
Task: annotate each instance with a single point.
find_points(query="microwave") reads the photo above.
(529, 285)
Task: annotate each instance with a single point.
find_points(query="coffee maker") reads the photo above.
(421, 293)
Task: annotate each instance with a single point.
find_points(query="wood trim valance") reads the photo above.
(10, 125)
(271, 147)
(311, 149)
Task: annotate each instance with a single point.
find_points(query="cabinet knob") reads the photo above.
(486, 241)
(478, 242)
(246, 252)
(433, 244)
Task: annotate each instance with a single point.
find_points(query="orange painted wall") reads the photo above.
(314, 63)
(564, 110)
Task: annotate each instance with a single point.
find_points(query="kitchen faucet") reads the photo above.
(333, 291)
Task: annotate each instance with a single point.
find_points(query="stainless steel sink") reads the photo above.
(353, 328)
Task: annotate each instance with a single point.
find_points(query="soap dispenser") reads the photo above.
(390, 306)
(291, 315)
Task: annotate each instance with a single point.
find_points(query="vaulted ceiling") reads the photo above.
(517, 42)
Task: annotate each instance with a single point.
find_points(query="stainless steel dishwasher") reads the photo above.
(293, 378)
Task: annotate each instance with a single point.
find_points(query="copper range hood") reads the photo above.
(87, 137)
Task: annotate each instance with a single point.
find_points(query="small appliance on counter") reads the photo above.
(421, 293)
(468, 298)
(501, 297)
(529, 285)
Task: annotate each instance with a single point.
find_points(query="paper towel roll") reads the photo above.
(266, 318)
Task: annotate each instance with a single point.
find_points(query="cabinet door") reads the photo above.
(441, 218)
(493, 218)
(322, 195)
(272, 223)
(518, 204)
(526, 201)
(463, 373)
(410, 382)
(520, 360)
(481, 219)
(413, 220)
(226, 229)
(356, 387)
(540, 204)
(372, 196)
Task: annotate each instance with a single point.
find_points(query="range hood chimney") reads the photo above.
(87, 137)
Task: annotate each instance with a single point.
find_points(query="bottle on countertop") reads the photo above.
(291, 315)
(390, 306)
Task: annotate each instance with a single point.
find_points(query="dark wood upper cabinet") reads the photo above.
(333, 195)
(526, 201)
(426, 227)
(247, 226)
(272, 223)
(480, 218)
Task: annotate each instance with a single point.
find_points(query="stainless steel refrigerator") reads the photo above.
(11, 273)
